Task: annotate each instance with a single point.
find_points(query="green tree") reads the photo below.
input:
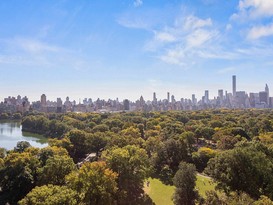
(1, 163)
(17, 116)
(212, 198)
(47, 152)
(18, 176)
(202, 156)
(50, 195)
(246, 168)
(55, 170)
(131, 165)
(168, 157)
(21, 146)
(184, 182)
(96, 142)
(205, 132)
(101, 128)
(94, 183)
(78, 139)
(263, 200)
(240, 198)
(3, 152)
(4, 116)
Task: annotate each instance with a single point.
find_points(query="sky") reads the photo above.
(128, 48)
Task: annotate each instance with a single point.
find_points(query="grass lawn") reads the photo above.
(161, 194)
(204, 184)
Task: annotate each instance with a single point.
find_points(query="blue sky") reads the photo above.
(128, 48)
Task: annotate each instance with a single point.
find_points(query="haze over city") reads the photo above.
(125, 49)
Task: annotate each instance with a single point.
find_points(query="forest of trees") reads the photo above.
(234, 147)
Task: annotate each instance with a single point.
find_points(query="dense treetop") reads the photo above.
(105, 158)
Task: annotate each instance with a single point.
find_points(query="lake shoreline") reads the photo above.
(11, 133)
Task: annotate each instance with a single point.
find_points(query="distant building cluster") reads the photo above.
(236, 99)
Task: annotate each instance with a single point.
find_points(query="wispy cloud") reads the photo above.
(187, 40)
(164, 37)
(253, 9)
(192, 22)
(28, 52)
(199, 37)
(257, 32)
(226, 70)
(34, 46)
(138, 3)
(256, 15)
(175, 56)
(180, 43)
(136, 23)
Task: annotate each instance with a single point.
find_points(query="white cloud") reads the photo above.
(165, 37)
(30, 45)
(226, 70)
(192, 22)
(199, 37)
(35, 46)
(135, 23)
(175, 56)
(254, 9)
(228, 27)
(181, 43)
(216, 53)
(29, 52)
(138, 3)
(257, 32)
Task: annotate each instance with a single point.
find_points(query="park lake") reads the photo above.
(11, 133)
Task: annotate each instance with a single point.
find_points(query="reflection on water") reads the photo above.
(11, 133)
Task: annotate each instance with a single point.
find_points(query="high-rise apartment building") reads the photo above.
(126, 104)
(206, 99)
(193, 99)
(221, 94)
(154, 98)
(267, 91)
(173, 99)
(234, 85)
(43, 103)
(43, 100)
(59, 105)
(263, 97)
(141, 100)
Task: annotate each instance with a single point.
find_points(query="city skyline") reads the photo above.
(153, 96)
(238, 99)
(109, 49)
(169, 97)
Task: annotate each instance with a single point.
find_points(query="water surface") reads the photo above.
(11, 133)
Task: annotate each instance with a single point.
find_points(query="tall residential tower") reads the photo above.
(234, 85)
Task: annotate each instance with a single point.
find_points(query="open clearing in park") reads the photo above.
(161, 194)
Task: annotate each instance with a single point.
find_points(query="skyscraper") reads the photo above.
(59, 105)
(154, 98)
(267, 91)
(126, 104)
(43, 103)
(206, 96)
(43, 100)
(234, 85)
(173, 99)
(263, 97)
(168, 96)
(221, 94)
(141, 100)
(193, 99)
